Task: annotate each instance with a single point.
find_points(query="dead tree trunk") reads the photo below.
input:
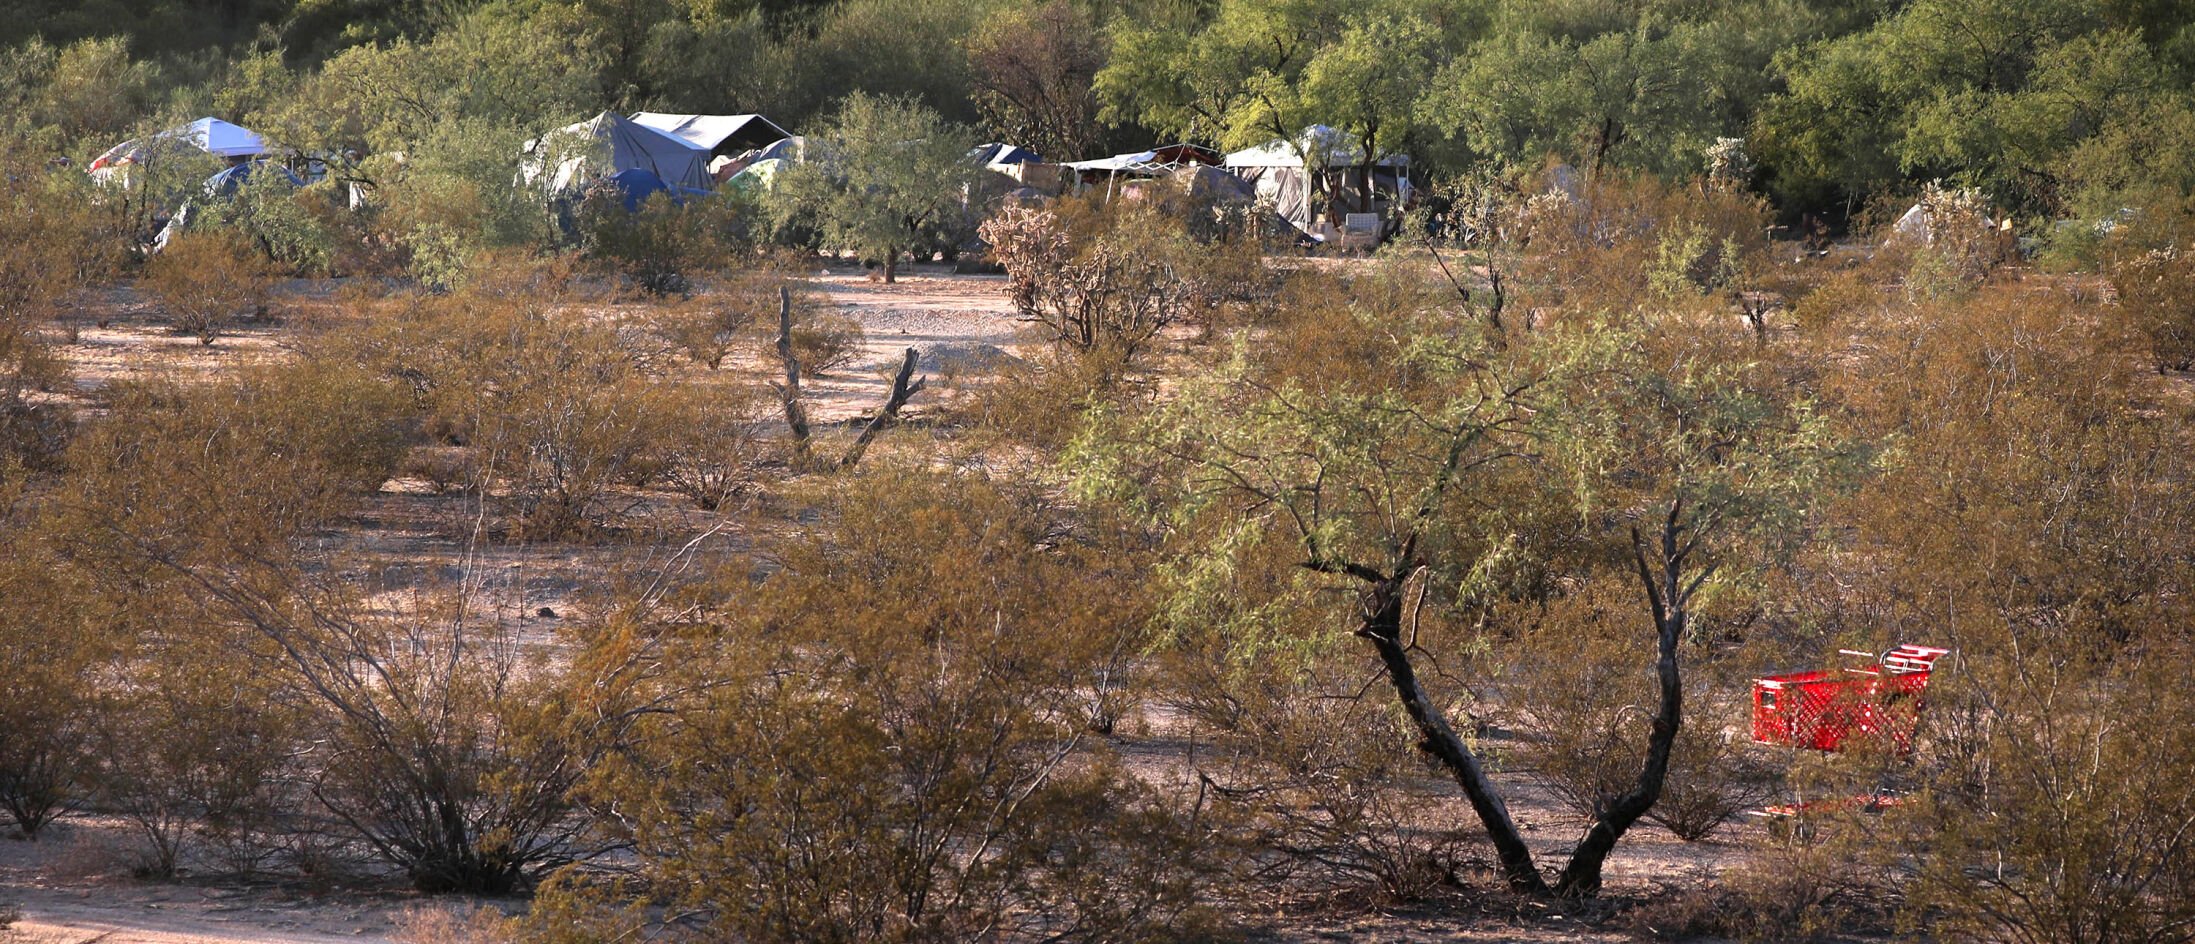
(796, 415)
(904, 387)
(1668, 593)
(1381, 623)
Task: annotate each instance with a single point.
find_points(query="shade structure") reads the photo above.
(998, 155)
(578, 154)
(211, 135)
(720, 135)
(1319, 146)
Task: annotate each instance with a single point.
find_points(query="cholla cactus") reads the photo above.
(1728, 165)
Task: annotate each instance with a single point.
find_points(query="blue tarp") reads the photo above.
(635, 185)
(995, 154)
(225, 183)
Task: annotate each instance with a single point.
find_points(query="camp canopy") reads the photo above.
(720, 135)
(998, 155)
(1317, 177)
(608, 143)
(1319, 146)
(211, 135)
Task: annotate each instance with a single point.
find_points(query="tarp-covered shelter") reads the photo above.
(720, 135)
(609, 143)
(1156, 162)
(633, 186)
(757, 177)
(1317, 178)
(1001, 155)
(210, 135)
(223, 187)
(225, 183)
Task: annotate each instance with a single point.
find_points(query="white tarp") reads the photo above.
(1318, 146)
(211, 135)
(723, 135)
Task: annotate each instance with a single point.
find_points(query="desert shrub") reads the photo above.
(886, 749)
(1959, 246)
(476, 924)
(285, 222)
(59, 242)
(447, 756)
(548, 408)
(206, 279)
(194, 750)
(2067, 824)
(712, 440)
(663, 244)
(233, 470)
(1836, 301)
(1596, 701)
(50, 660)
(1326, 790)
(2157, 294)
(1688, 261)
(1621, 240)
(1788, 890)
(713, 324)
(1108, 281)
(825, 341)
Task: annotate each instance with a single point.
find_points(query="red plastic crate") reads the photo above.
(1827, 709)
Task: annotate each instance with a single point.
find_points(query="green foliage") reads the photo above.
(891, 177)
(664, 244)
(2032, 102)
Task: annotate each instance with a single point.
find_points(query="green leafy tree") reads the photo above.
(892, 173)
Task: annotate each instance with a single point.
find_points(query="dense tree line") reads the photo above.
(2056, 109)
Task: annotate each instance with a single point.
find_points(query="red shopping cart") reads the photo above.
(1829, 709)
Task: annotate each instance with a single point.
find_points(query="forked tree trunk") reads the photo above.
(1668, 592)
(904, 387)
(1381, 623)
(796, 415)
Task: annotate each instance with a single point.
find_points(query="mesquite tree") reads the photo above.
(1446, 452)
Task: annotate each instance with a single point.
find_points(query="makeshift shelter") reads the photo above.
(791, 150)
(1318, 177)
(209, 135)
(220, 188)
(720, 135)
(757, 177)
(995, 156)
(633, 186)
(1203, 182)
(229, 180)
(1156, 162)
(565, 162)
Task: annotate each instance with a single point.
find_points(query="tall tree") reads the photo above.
(1034, 70)
(892, 171)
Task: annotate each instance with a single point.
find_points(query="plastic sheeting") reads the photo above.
(609, 143)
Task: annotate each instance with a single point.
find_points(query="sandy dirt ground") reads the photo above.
(75, 886)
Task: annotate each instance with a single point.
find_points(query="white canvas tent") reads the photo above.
(566, 161)
(1300, 178)
(720, 135)
(211, 135)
